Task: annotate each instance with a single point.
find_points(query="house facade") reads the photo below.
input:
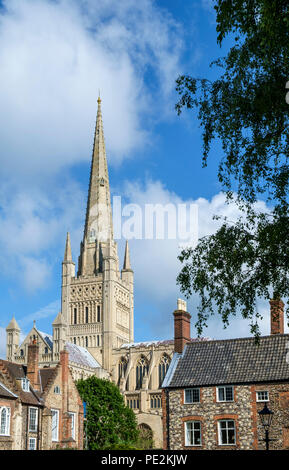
(40, 408)
(214, 390)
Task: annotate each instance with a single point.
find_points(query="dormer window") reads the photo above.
(25, 385)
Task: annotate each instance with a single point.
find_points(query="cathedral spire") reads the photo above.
(98, 222)
(67, 253)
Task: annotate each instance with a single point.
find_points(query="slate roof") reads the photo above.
(233, 361)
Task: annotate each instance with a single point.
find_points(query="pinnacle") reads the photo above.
(126, 262)
(67, 253)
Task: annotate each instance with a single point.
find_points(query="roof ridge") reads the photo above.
(238, 339)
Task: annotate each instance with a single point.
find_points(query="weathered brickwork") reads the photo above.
(57, 392)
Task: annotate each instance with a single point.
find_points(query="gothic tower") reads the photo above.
(97, 302)
(12, 341)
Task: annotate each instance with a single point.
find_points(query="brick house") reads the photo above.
(214, 389)
(40, 409)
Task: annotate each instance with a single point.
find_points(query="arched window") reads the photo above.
(141, 370)
(75, 316)
(122, 365)
(4, 421)
(163, 368)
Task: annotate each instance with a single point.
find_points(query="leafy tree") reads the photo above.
(110, 423)
(245, 109)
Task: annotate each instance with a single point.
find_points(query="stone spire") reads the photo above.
(67, 253)
(98, 222)
(126, 262)
(13, 325)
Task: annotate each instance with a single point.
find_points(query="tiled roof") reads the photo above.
(45, 375)
(5, 392)
(81, 356)
(16, 372)
(232, 361)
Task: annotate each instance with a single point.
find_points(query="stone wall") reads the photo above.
(243, 410)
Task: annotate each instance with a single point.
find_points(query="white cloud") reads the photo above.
(55, 56)
(50, 310)
(33, 230)
(156, 265)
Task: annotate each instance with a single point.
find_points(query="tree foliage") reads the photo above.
(245, 109)
(110, 423)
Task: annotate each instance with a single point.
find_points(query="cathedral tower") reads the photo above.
(97, 303)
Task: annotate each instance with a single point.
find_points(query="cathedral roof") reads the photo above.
(81, 356)
(47, 338)
(147, 344)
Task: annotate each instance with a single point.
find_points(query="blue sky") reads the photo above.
(54, 58)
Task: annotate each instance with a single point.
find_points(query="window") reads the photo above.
(32, 443)
(262, 395)
(86, 341)
(57, 389)
(4, 421)
(192, 395)
(226, 431)
(55, 424)
(86, 314)
(98, 313)
(46, 350)
(133, 403)
(141, 370)
(122, 366)
(193, 433)
(21, 352)
(156, 401)
(163, 368)
(33, 415)
(72, 424)
(75, 316)
(25, 385)
(225, 393)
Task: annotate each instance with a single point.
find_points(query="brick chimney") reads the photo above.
(277, 316)
(64, 361)
(182, 320)
(32, 365)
